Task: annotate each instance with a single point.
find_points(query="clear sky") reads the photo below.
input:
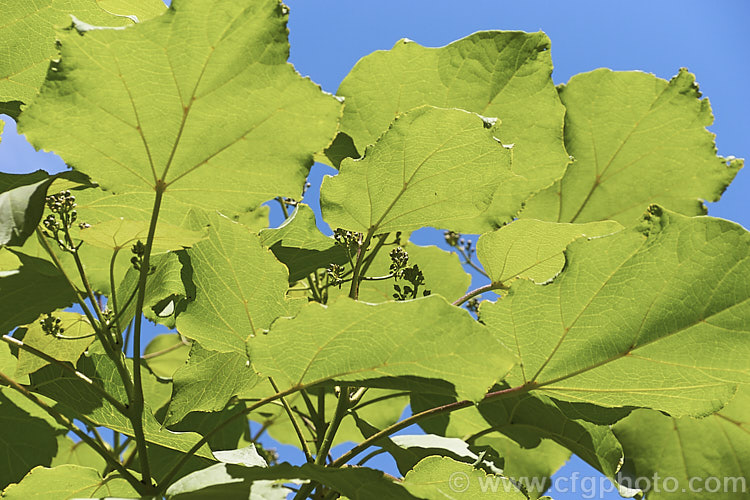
(709, 37)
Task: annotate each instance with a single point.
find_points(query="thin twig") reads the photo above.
(68, 424)
(295, 424)
(479, 291)
(167, 350)
(69, 368)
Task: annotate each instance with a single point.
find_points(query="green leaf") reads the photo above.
(442, 478)
(636, 139)
(533, 249)
(143, 10)
(36, 287)
(21, 205)
(237, 288)
(342, 147)
(164, 291)
(76, 453)
(255, 219)
(717, 446)
(300, 245)
(165, 354)
(29, 436)
(237, 481)
(532, 468)
(620, 326)
(529, 418)
(77, 399)
(494, 73)
(69, 481)
(163, 100)
(78, 335)
(426, 338)
(433, 167)
(116, 234)
(443, 274)
(27, 37)
(208, 381)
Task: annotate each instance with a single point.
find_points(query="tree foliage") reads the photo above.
(618, 331)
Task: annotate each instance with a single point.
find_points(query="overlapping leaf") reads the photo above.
(532, 249)
(636, 140)
(208, 381)
(69, 481)
(140, 107)
(77, 399)
(654, 316)
(433, 167)
(351, 341)
(34, 288)
(717, 447)
(165, 354)
(300, 245)
(500, 74)
(239, 288)
(27, 39)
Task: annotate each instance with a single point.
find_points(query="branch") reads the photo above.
(137, 405)
(432, 412)
(295, 424)
(68, 424)
(65, 366)
(361, 249)
(480, 291)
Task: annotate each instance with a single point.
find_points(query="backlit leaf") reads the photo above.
(139, 107)
(165, 354)
(533, 249)
(69, 481)
(238, 288)
(433, 167)
(493, 73)
(636, 140)
(426, 338)
(654, 316)
(714, 449)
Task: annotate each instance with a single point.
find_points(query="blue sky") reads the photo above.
(708, 37)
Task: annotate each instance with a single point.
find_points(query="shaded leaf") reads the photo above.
(235, 481)
(636, 139)
(717, 446)
(494, 73)
(29, 436)
(620, 326)
(78, 335)
(300, 245)
(341, 148)
(236, 289)
(533, 249)
(21, 205)
(255, 219)
(36, 287)
(438, 478)
(351, 341)
(164, 291)
(69, 481)
(77, 453)
(138, 108)
(433, 167)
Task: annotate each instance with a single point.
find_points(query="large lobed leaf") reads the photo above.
(433, 167)
(27, 38)
(654, 316)
(140, 107)
(494, 73)
(636, 140)
(351, 341)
